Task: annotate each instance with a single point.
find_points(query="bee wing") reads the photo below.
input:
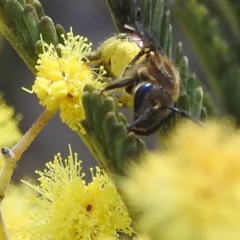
(147, 37)
(142, 37)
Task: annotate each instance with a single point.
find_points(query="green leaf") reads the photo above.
(108, 139)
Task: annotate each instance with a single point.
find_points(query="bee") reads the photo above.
(154, 82)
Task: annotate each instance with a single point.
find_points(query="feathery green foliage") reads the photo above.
(106, 130)
(22, 22)
(219, 61)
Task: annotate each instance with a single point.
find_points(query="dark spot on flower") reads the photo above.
(69, 95)
(89, 207)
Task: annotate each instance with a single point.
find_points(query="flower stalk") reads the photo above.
(3, 232)
(5, 177)
(31, 134)
(12, 156)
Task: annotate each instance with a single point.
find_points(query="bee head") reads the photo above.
(150, 101)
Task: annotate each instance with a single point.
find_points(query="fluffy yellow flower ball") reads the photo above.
(9, 131)
(116, 53)
(14, 210)
(62, 74)
(69, 208)
(192, 190)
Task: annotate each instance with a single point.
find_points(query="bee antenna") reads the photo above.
(184, 114)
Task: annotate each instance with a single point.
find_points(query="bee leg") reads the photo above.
(143, 132)
(149, 131)
(184, 114)
(145, 51)
(142, 52)
(139, 131)
(120, 84)
(137, 121)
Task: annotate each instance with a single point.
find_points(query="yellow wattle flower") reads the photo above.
(192, 190)
(62, 74)
(116, 53)
(9, 132)
(14, 208)
(69, 208)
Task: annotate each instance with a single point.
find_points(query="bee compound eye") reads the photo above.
(144, 89)
(141, 93)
